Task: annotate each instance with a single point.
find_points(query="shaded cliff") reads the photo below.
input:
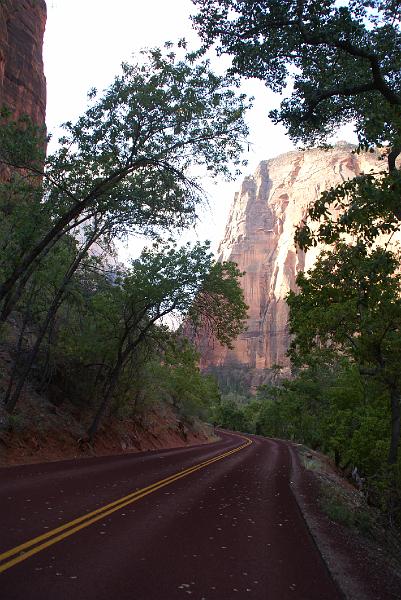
(259, 237)
(22, 81)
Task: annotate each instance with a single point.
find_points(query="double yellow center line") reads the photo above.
(12, 557)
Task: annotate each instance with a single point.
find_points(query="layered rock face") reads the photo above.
(259, 237)
(22, 81)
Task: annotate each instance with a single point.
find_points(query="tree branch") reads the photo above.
(341, 91)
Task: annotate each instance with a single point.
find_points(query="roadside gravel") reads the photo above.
(365, 567)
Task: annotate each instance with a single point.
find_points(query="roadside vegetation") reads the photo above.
(72, 318)
(342, 64)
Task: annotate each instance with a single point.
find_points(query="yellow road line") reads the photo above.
(76, 525)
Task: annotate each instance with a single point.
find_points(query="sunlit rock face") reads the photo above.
(22, 81)
(259, 237)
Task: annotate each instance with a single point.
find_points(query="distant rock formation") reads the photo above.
(22, 81)
(259, 237)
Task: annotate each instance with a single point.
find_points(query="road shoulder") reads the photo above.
(363, 567)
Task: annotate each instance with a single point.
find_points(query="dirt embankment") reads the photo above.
(62, 436)
(362, 552)
(42, 431)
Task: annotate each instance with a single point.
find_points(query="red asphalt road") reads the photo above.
(232, 530)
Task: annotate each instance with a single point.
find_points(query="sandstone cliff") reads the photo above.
(22, 81)
(259, 237)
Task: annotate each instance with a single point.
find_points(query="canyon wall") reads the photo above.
(22, 81)
(259, 237)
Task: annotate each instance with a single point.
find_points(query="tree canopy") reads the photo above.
(126, 314)
(350, 302)
(133, 163)
(342, 61)
(129, 160)
(336, 63)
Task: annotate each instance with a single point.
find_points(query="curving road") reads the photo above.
(212, 522)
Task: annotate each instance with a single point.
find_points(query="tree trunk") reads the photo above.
(15, 292)
(46, 371)
(50, 316)
(337, 457)
(123, 355)
(392, 157)
(105, 401)
(63, 225)
(395, 427)
(27, 317)
(12, 401)
(56, 232)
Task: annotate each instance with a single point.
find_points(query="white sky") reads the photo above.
(85, 43)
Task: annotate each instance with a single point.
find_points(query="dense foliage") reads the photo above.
(73, 316)
(342, 63)
(343, 60)
(330, 407)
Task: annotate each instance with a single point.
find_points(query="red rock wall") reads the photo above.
(22, 81)
(259, 237)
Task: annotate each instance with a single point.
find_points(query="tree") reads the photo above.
(366, 208)
(344, 60)
(176, 377)
(350, 302)
(122, 168)
(58, 276)
(343, 63)
(126, 160)
(227, 413)
(162, 282)
(219, 306)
